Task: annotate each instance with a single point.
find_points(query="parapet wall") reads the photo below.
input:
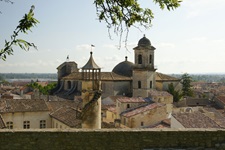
(111, 139)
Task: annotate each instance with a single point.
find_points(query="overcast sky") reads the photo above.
(190, 39)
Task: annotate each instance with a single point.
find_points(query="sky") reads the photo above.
(190, 39)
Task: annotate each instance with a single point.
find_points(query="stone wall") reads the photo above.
(106, 139)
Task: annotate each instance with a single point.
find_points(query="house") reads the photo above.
(144, 115)
(125, 103)
(162, 97)
(25, 114)
(29, 113)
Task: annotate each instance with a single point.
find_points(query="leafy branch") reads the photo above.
(120, 15)
(25, 24)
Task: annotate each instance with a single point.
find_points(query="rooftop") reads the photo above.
(141, 109)
(68, 116)
(195, 120)
(131, 100)
(158, 93)
(22, 105)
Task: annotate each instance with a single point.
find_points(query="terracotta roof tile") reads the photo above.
(22, 105)
(68, 116)
(55, 105)
(195, 120)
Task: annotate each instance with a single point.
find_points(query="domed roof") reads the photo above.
(144, 42)
(124, 68)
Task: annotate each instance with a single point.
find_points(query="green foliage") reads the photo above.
(176, 94)
(186, 83)
(25, 24)
(120, 13)
(43, 89)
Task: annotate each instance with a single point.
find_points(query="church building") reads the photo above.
(126, 79)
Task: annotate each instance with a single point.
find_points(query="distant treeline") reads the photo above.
(5, 76)
(204, 77)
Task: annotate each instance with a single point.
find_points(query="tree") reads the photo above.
(46, 90)
(25, 24)
(176, 94)
(120, 15)
(186, 83)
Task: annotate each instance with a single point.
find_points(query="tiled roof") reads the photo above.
(195, 120)
(143, 108)
(158, 93)
(2, 123)
(131, 100)
(55, 105)
(105, 76)
(221, 99)
(111, 100)
(22, 105)
(68, 116)
(164, 77)
(111, 76)
(111, 108)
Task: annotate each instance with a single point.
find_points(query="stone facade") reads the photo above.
(123, 139)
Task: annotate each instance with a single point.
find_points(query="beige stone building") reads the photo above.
(144, 115)
(126, 79)
(38, 114)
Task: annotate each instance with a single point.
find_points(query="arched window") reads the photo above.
(139, 84)
(139, 59)
(69, 84)
(150, 59)
(128, 105)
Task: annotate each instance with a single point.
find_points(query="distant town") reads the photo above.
(132, 95)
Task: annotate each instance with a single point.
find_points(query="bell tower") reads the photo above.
(144, 69)
(91, 95)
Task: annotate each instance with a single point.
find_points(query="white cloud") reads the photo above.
(84, 47)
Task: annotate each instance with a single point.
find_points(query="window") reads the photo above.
(42, 124)
(142, 123)
(139, 84)
(9, 125)
(150, 84)
(150, 59)
(26, 124)
(139, 59)
(128, 105)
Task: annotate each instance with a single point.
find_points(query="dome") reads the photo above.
(144, 42)
(124, 68)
